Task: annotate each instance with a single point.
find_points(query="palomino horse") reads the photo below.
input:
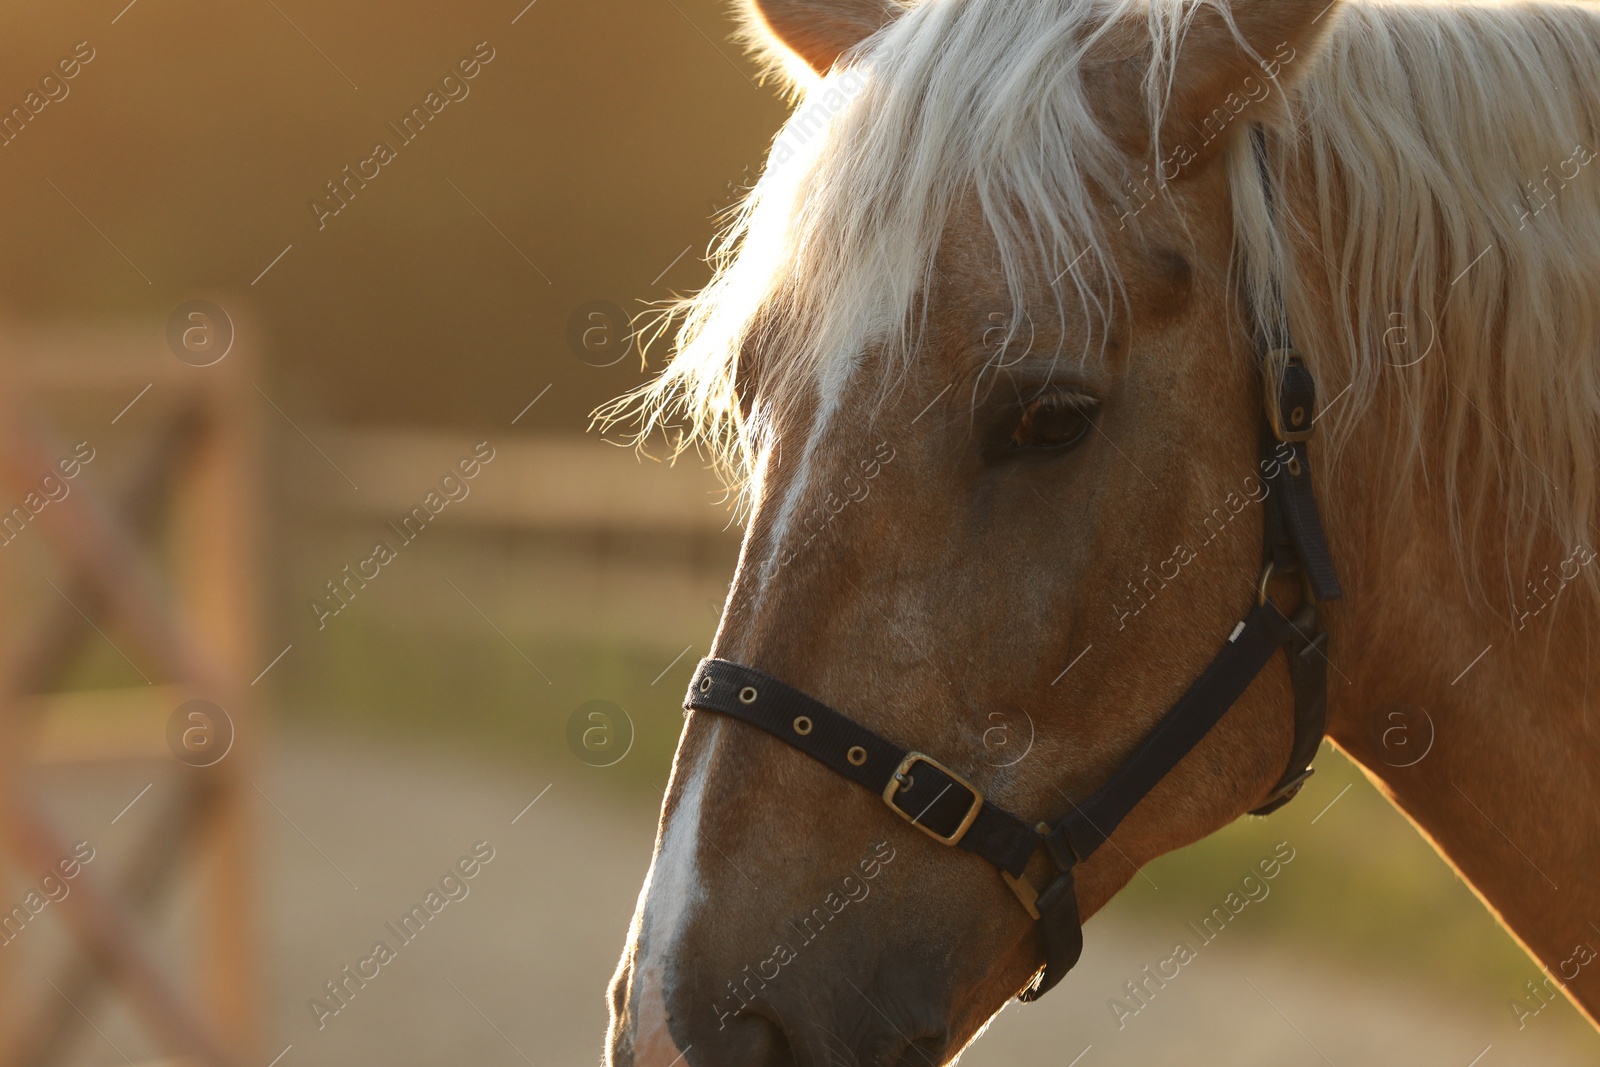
(984, 357)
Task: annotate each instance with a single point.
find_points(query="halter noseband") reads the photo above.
(945, 806)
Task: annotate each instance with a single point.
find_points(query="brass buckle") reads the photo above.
(913, 758)
(1276, 359)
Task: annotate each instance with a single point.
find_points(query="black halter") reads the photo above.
(945, 806)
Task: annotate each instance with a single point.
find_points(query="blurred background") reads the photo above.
(281, 348)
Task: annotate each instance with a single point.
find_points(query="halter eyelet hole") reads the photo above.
(748, 695)
(705, 684)
(1294, 466)
(857, 755)
(802, 725)
(1297, 416)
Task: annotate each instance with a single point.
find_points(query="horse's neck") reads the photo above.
(1506, 773)
(1478, 720)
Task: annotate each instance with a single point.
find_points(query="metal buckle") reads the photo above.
(1276, 360)
(1292, 786)
(1308, 597)
(1261, 584)
(889, 791)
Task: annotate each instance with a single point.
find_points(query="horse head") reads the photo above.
(982, 358)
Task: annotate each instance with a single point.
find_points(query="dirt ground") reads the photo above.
(513, 972)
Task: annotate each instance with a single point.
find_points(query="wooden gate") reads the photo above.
(150, 547)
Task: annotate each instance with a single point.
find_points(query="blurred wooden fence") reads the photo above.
(548, 483)
(162, 566)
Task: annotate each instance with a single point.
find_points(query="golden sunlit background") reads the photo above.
(321, 594)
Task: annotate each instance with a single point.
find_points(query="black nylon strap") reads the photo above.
(1292, 414)
(1200, 708)
(1293, 542)
(1308, 674)
(1062, 930)
(927, 796)
(1076, 835)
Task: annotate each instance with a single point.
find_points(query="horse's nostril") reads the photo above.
(752, 1038)
(770, 1044)
(782, 1053)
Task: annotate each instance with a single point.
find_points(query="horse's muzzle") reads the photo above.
(842, 1024)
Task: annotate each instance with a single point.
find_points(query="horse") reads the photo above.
(982, 358)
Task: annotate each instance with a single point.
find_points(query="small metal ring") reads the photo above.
(1294, 466)
(705, 684)
(1297, 416)
(748, 695)
(857, 755)
(802, 725)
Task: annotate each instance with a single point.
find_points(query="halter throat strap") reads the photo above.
(946, 806)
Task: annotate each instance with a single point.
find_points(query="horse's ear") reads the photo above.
(798, 37)
(1234, 63)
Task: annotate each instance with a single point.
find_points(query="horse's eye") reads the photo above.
(1054, 420)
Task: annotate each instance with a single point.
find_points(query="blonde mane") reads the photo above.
(1447, 151)
(1421, 132)
(828, 254)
